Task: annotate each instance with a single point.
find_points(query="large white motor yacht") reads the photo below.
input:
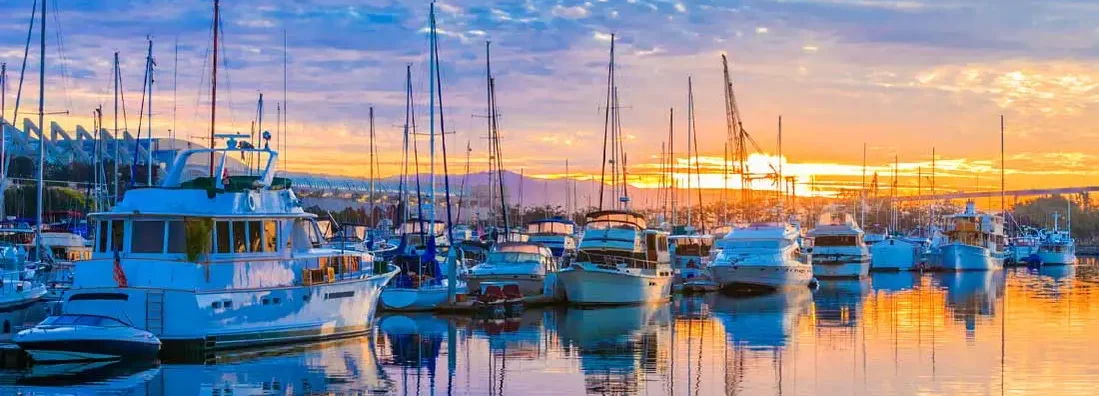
(838, 248)
(220, 257)
(619, 262)
(761, 255)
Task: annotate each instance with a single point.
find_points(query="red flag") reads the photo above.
(119, 275)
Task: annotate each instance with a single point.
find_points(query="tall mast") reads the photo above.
(175, 91)
(431, 118)
(607, 126)
(214, 83)
(779, 179)
(694, 142)
(3, 134)
(671, 161)
(372, 162)
(931, 207)
(405, 159)
(452, 270)
(149, 130)
(862, 194)
(1003, 200)
(285, 104)
(491, 146)
(690, 152)
(114, 176)
(41, 136)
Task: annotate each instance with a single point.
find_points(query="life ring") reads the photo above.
(251, 202)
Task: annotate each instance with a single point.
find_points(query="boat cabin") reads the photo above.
(619, 237)
(976, 229)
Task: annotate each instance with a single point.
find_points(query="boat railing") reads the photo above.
(12, 282)
(612, 261)
(334, 268)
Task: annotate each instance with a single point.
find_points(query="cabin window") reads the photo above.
(662, 243)
(177, 237)
(314, 233)
(147, 237)
(255, 236)
(240, 237)
(101, 235)
(222, 230)
(270, 236)
(118, 232)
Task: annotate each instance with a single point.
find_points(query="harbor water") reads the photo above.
(1016, 331)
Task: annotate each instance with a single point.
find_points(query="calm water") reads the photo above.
(1009, 332)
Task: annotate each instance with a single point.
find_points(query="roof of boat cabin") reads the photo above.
(638, 218)
(757, 231)
(519, 247)
(555, 219)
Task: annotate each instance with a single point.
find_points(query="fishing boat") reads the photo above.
(838, 248)
(1023, 248)
(619, 261)
(223, 260)
(524, 263)
(973, 242)
(762, 256)
(556, 233)
(69, 338)
(1056, 246)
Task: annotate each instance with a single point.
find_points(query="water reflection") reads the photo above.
(1012, 331)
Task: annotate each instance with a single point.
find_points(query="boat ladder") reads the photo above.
(154, 312)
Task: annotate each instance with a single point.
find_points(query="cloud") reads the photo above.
(574, 12)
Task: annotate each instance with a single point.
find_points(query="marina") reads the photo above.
(959, 333)
(360, 257)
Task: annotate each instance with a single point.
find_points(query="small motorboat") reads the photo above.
(70, 338)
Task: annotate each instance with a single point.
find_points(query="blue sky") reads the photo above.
(902, 76)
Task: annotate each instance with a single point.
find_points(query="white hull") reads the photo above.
(588, 284)
(958, 257)
(420, 299)
(11, 297)
(843, 269)
(1057, 258)
(774, 277)
(239, 318)
(529, 285)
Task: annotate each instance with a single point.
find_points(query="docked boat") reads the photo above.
(223, 259)
(1056, 246)
(838, 248)
(690, 255)
(69, 338)
(1023, 249)
(974, 242)
(415, 233)
(19, 283)
(897, 253)
(619, 261)
(762, 256)
(524, 263)
(556, 233)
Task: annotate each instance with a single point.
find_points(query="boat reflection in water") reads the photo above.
(345, 366)
(839, 302)
(764, 321)
(972, 296)
(893, 282)
(617, 347)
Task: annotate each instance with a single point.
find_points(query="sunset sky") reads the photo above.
(901, 76)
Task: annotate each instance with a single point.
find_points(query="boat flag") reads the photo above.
(119, 275)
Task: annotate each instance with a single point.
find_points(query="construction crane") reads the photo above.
(739, 139)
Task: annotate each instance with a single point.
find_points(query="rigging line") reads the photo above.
(66, 77)
(140, 121)
(23, 70)
(446, 172)
(606, 125)
(225, 67)
(122, 94)
(202, 76)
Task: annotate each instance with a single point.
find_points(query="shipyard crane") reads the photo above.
(739, 139)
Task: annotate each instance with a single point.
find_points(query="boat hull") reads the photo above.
(588, 284)
(83, 350)
(759, 276)
(841, 269)
(189, 322)
(1057, 258)
(417, 299)
(959, 257)
(529, 285)
(893, 255)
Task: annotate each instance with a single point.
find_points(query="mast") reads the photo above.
(3, 134)
(285, 104)
(114, 177)
(693, 141)
(431, 119)
(607, 125)
(175, 91)
(149, 129)
(405, 159)
(1003, 199)
(931, 207)
(213, 84)
(452, 270)
(372, 163)
(41, 137)
(259, 128)
(491, 146)
(671, 161)
(862, 194)
(779, 179)
(690, 134)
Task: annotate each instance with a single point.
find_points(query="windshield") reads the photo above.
(18, 238)
(837, 240)
(762, 244)
(512, 257)
(615, 225)
(81, 320)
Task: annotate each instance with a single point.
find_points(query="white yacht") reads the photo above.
(838, 248)
(1057, 247)
(525, 263)
(556, 233)
(223, 259)
(761, 255)
(619, 262)
(423, 283)
(69, 338)
(974, 241)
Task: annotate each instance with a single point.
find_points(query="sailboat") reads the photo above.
(689, 249)
(620, 260)
(427, 280)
